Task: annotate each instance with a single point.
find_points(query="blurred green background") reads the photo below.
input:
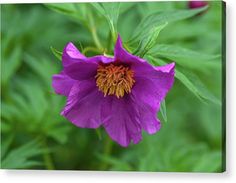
(35, 136)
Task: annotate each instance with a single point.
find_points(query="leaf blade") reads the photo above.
(163, 110)
(149, 40)
(56, 53)
(20, 157)
(159, 18)
(111, 12)
(185, 57)
(193, 83)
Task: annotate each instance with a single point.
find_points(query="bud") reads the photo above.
(197, 4)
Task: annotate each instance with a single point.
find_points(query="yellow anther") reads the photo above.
(114, 80)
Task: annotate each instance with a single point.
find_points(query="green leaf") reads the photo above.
(116, 163)
(6, 144)
(189, 84)
(176, 52)
(163, 110)
(188, 155)
(43, 67)
(210, 162)
(145, 8)
(203, 92)
(159, 18)
(10, 64)
(65, 8)
(31, 94)
(56, 53)
(111, 12)
(78, 12)
(5, 127)
(183, 56)
(99, 134)
(69, 9)
(193, 83)
(149, 40)
(21, 157)
(125, 6)
(59, 133)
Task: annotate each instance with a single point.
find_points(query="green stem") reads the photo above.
(93, 49)
(107, 151)
(93, 31)
(96, 39)
(47, 158)
(113, 33)
(128, 49)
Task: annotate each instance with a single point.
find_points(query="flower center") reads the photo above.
(114, 80)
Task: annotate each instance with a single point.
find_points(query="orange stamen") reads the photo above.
(114, 80)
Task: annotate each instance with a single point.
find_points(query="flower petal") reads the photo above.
(139, 65)
(87, 68)
(81, 70)
(168, 68)
(120, 120)
(121, 55)
(84, 103)
(71, 54)
(100, 59)
(157, 81)
(149, 121)
(148, 92)
(147, 106)
(62, 83)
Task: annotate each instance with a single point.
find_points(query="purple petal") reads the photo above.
(100, 59)
(149, 121)
(71, 54)
(62, 83)
(120, 120)
(139, 65)
(148, 107)
(168, 68)
(157, 81)
(121, 55)
(149, 90)
(83, 107)
(86, 68)
(81, 70)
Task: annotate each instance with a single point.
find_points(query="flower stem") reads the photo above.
(107, 151)
(93, 31)
(113, 33)
(94, 49)
(96, 39)
(109, 42)
(47, 158)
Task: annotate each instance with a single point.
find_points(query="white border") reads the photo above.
(36, 176)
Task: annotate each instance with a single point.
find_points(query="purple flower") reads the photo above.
(197, 4)
(123, 94)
